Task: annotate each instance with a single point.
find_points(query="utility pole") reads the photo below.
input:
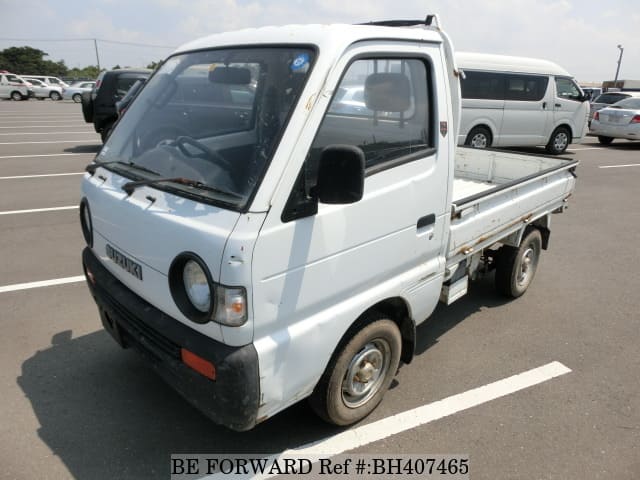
(615, 81)
(95, 44)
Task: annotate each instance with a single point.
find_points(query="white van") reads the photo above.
(49, 80)
(516, 101)
(13, 87)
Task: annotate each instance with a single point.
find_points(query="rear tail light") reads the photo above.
(596, 116)
(635, 119)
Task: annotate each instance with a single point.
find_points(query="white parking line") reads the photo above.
(37, 210)
(17, 177)
(46, 126)
(621, 166)
(52, 141)
(583, 149)
(42, 133)
(45, 155)
(376, 431)
(53, 122)
(43, 283)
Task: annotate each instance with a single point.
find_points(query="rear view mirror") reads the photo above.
(340, 175)
(387, 92)
(230, 76)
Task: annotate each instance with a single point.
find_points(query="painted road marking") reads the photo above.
(53, 141)
(17, 177)
(42, 133)
(45, 155)
(47, 126)
(621, 166)
(43, 283)
(401, 422)
(37, 210)
(582, 149)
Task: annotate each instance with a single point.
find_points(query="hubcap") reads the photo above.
(526, 266)
(561, 141)
(479, 140)
(366, 373)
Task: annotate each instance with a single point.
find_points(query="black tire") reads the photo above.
(55, 96)
(16, 96)
(559, 141)
(516, 267)
(605, 140)
(479, 137)
(87, 107)
(77, 97)
(341, 397)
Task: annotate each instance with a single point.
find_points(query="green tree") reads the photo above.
(154, 65)
(28, 60)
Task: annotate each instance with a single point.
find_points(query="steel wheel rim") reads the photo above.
(366, 373)
(527, 266)
(479, 140)
(561, 141)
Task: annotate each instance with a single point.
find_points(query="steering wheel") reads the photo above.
(183, 140)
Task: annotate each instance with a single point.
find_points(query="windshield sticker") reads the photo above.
(300, 62)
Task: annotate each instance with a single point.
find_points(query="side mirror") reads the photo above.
(340, 175)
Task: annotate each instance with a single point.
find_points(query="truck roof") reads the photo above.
(336, 36)
(505, 63)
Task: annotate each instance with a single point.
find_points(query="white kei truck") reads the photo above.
(260, 242)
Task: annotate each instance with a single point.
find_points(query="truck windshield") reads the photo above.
(213, 117)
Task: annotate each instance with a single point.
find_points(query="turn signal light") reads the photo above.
(596, 116)
(199, 364)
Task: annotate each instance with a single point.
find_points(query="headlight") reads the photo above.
(85, 222)
(199, 299)
(196, 286)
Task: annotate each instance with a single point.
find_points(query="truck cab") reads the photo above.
(260, 244)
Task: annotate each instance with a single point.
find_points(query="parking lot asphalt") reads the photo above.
(74, 405)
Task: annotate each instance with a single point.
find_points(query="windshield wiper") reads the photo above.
(130, 187)
(92, 167)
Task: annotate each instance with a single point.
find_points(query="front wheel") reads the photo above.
(77, 97)
(605, 140)
(559, 141)
(516, 267)
(16, 96)
(359, 374)
(479, 137)
(55, 96)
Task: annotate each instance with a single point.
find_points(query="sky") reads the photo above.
(580, 36)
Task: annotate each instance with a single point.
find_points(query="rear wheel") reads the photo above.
(516, 267)
(55, 96)
(605, 140)
(479, 137)
(359, 374)
(77, 97)
(559, 141)
(16, 96)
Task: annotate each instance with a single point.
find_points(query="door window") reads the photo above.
(567, 89)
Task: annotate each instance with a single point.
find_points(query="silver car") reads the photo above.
(607, 99)
(42, 90)
(75, 91)
(620, 120)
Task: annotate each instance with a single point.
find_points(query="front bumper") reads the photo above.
(231, 400)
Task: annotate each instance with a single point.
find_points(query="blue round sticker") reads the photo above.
(300, 62)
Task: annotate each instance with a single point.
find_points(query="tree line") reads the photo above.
(30, 61)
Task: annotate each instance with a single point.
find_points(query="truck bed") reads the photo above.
(496, 193)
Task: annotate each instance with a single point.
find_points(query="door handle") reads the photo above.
(426, 221)
(558, 105)
(544, 105)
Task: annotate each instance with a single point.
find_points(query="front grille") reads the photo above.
(139, 330)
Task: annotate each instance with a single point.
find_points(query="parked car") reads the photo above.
(620, 120)
(75, 91)
(49, 80)
(14, 87)
(593, 92)
(42, 90)
(99, 105)
(122, 105)
(606, 99)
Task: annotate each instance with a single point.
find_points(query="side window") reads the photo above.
(383, 106)
(567, 89)
(483, 85)
(123, 84)
(525, 87)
